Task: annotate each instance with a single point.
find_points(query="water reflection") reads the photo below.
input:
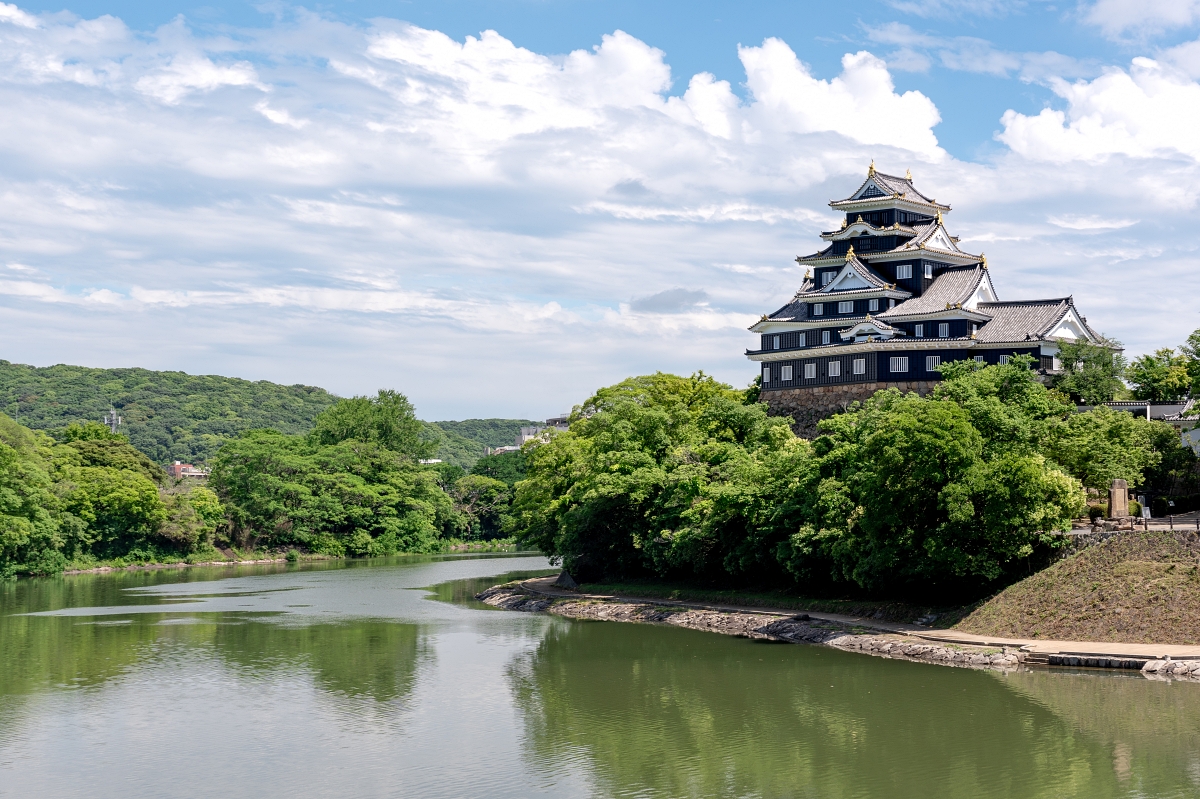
(657, 711)
(347, 680)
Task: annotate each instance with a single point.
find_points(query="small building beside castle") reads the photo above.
(890, 299)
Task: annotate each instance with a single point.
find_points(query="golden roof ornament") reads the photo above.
(908, 175)
(808, 274)
(857, 221)
(983, 258)
(939, 216)
(871, 169)
(850, 252)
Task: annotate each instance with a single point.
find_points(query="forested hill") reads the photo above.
(167, 415)
(173, 416)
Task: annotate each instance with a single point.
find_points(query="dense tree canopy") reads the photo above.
(671, 476)
(89, 496)
(1160, 377)
(1091, 373)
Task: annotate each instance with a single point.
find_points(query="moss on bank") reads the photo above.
(1139, 587)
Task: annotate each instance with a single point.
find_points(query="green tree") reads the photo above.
(1161, 377)
(387, 419)
(1091, 373)
(508, 467)
(1103, 445)
(1191, 351)
(352, 497)
(484, 504)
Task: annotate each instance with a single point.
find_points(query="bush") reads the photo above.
(1135, 508)
(1095, 512)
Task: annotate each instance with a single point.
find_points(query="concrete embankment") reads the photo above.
(907, 642)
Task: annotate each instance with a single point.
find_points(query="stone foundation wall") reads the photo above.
(807, 406)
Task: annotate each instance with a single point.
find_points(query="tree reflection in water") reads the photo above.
(658, 711)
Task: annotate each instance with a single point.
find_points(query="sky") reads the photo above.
(498, 207)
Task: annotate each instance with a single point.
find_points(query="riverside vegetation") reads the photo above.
(660, 477)
(80, 496)
(950, 496)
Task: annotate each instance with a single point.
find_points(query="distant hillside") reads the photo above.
(463, 443)
(488, 432)
(1138, 587)
(176, 416)
(167, 415)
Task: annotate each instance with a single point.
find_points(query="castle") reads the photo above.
(889, 300)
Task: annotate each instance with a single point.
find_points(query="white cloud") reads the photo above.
(852, 104)
(1149, 111)
(1079, 222)
(187, 73)
(1118, 17)
(919, 51)
(364, 206)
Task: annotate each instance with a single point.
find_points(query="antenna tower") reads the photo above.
(111, 419)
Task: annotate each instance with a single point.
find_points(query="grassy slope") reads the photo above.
(1136, 588)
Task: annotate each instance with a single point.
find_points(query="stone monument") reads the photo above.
(1118, 499)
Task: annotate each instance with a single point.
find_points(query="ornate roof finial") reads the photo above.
(871, 169)
(844, 223)
(850, 252)
(939, 216)
(808, 274)
(868, 317)
(908, 175)
(983, 258)
(856, 221)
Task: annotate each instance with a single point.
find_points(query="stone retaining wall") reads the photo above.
(807, 406)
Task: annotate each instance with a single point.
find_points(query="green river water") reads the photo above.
(384, 678)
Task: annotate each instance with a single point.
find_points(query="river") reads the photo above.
(384, 678)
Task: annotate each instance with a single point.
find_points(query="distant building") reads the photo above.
(178, 470)
(534, 432)
(887, 302)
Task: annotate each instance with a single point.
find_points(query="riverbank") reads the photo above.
(868, 636)
(234, 558)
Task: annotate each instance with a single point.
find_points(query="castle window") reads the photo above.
(775, 343)
(824, 336)
(891, 304)
(872, 305)
(898, 364)
(846, 306)
(929, 271)
(819, 309)
(932, 362)
(810, 371)
(766, 375)
(826, 277)
(919, 331)
(785, 373)
(800, 340)
(1003, 359)
(974, 328)
(835, 368)
(860, 366)
(978, 359)
(864, 244)
(904, 271)
(944, 330)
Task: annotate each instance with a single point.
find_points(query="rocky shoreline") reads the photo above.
(800, 629)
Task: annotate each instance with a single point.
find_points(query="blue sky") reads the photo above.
(369, 194)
